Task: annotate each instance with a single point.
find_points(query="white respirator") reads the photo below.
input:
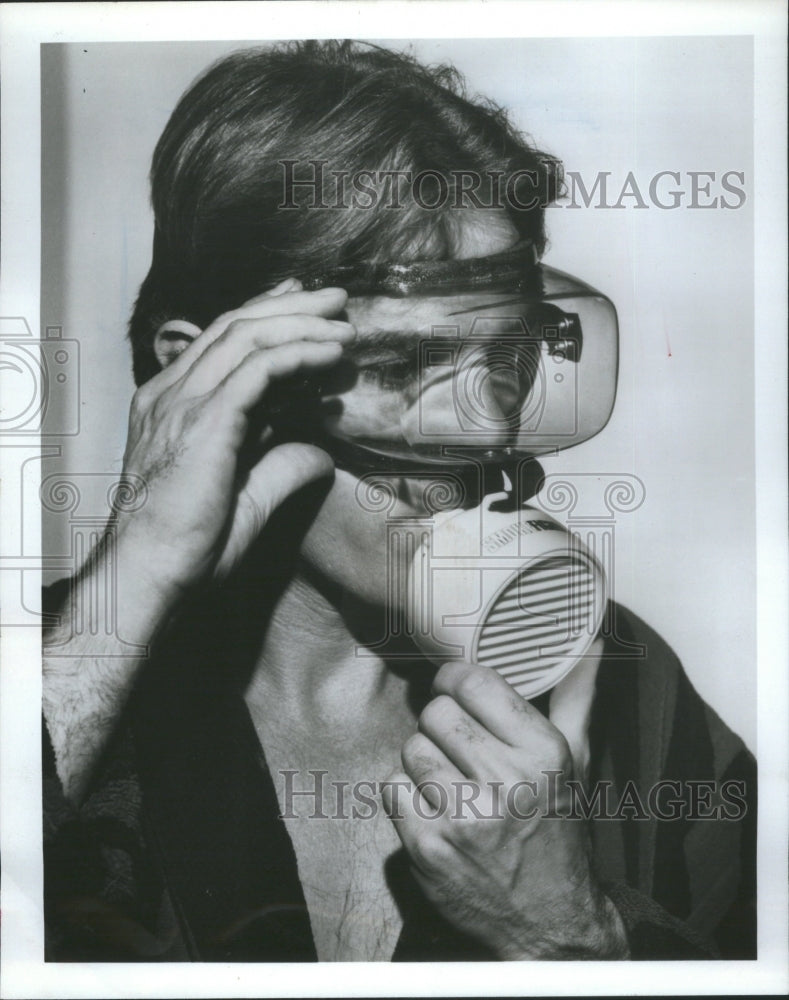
(511, 590)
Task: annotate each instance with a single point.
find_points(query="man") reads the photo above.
(297, 268)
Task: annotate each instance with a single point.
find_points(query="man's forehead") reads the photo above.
(420, 315)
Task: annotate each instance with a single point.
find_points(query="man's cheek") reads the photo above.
(363, 539)
(347, 544)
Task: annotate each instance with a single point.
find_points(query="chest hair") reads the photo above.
(341, 858)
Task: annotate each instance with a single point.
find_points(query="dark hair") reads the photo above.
(219, 184)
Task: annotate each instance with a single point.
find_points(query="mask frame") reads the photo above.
(517, 271)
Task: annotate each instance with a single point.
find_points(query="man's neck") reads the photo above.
(312, 662)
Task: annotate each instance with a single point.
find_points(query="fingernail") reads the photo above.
(288, 285)
(346, 330)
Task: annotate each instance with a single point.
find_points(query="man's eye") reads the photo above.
(391, 373)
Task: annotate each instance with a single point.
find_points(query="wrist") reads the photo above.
(592, 929)
(107, 621)
(115, 604)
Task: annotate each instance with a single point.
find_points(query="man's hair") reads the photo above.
(263, 118)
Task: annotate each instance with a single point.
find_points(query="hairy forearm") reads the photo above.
(91, 657)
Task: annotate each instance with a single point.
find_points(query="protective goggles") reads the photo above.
(486, 360)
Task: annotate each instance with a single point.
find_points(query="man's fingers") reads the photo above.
(288, 285)
(489, 699)
(422, 758)
(419, 824)
(468, 745)
(243, 336)
(406, 806)
(283, 470)
(396, 793)
(431, 771)
(246, 385)
(327, 302)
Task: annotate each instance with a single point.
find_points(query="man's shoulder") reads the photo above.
(673, 766)
(643, 687)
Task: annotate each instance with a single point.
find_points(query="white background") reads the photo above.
(682, 281)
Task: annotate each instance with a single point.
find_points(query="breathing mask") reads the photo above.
(475, 366)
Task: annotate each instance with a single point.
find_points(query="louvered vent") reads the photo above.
(544, 615)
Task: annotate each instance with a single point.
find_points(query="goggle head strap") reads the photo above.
(514, 270)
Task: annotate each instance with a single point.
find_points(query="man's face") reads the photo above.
(428, 372)
(348, 540)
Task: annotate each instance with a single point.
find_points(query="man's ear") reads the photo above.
(171, 338)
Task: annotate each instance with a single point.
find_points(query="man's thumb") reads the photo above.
(284, 470)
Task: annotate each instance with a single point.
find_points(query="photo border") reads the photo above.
(24, 28)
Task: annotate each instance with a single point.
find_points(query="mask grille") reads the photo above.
(544, 616)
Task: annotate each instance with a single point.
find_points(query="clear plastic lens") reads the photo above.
(489, 373)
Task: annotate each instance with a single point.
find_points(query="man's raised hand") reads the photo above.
(189, 423)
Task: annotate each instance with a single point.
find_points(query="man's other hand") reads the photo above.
(485, 830)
